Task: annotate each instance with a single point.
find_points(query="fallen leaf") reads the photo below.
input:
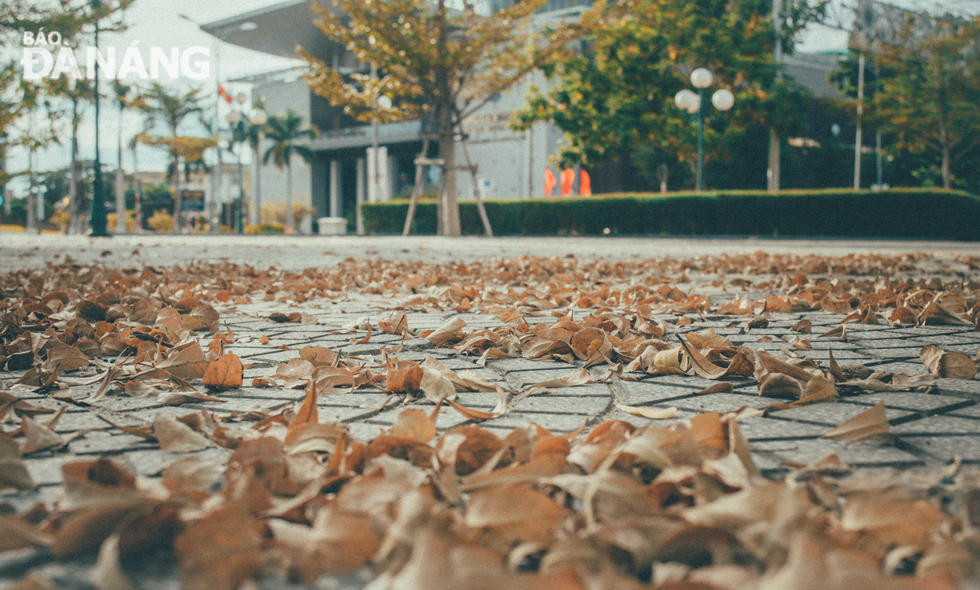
(648, 412)
(951, 365)
(936, 313)
(188, 362)
(869, 423)
(722, 387)
(176, 436)
(449, 332)
(221, 551)
(225, 373)
(803, 326)
(65, 358)
(295, 373)
(39, 437)
(107, 572)
(13, 472)
(414, 424)
(576, 377)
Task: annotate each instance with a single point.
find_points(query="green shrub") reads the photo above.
(896, 213)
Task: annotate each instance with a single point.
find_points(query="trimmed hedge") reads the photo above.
(896, 213)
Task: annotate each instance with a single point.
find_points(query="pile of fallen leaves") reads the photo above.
(683, 506)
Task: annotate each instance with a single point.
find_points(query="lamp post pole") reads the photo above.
(695, 104)
(98, 219)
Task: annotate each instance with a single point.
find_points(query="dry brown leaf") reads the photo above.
(263, 339)
(780, 385)
(221, 551)
(803, 326)
(951, 365)
(892, 517)
(188, 362)
(39, 437)
(13, 472)
(436, 386)
(648, 412)
(576, 377)
(338, 543)
(328, 380)
(448, 333)
(225, 373)
(414, 424)
(871, 422)
(65, 358)
(936, 313)
(515, 512)
(320, 356)
(176, 436)
(295, 373)
(722, 387)
(107, 572)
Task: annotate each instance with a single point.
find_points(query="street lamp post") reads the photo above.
(98, 219)
(694, 104)
(236, 117)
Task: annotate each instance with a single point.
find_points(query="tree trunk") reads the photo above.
(663, 172)
(178, 198)
(289, 199)
(417, 189)
(487, 230)
(449, 199)
(947, 174)
(74, 223)
(774, 161)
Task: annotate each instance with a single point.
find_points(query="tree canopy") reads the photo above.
(616, 97)
(928, 99)
(440, 61)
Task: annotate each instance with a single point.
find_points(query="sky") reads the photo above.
(158, 23)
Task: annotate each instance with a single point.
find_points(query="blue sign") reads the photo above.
(192, 201)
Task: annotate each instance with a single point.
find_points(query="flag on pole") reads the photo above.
(224, 94)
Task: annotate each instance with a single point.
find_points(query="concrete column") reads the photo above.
(390, 193)
(335, 204)
(361, 192)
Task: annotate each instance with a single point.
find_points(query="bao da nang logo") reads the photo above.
(49, 55)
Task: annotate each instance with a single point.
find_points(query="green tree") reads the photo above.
(440, 61)
(285, 130)
(170, 108)
(928, 99)
(615, 99)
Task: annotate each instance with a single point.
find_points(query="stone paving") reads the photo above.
(932, 428)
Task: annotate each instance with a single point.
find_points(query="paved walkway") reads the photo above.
(933, 427)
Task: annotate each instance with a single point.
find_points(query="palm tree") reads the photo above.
(170, 108)
(285, 129)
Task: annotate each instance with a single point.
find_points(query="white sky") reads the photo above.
(156, 23)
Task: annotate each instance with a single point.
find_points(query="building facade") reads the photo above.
(510, 164)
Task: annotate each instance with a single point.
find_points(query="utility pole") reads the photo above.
(860, 39)
(777, 57)
(98, 214)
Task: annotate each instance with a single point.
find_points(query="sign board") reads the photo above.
(192, 201)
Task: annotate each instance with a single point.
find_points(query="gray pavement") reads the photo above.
(931, 428)
(18, 251)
